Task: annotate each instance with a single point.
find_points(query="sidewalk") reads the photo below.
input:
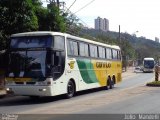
(129, 72)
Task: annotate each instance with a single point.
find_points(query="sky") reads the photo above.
(132, 15)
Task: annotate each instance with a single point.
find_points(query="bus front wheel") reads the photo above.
(70, 89)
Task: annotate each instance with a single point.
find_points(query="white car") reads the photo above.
(138, 69)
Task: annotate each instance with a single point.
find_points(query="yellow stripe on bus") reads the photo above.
(19, 79)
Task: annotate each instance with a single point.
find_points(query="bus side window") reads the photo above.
(115, 54)
(108, 53)
(59, 42)
(83, 49)
(93, 51)
(86, 50)
(72, 47)
(101, 52)
(69, 47)
(119, 55)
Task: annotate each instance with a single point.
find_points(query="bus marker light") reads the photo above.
(42, 89)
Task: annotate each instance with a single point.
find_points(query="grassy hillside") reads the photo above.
(132, 46)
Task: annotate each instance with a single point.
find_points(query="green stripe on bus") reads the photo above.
(87, 71)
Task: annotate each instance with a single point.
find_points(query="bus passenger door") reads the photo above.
(58, 64)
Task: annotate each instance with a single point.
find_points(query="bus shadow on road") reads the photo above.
(25, 100)
(92, 91)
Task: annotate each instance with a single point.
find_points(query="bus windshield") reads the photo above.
(26, 61)
(31, 42)
(28, 64)
(149, 64)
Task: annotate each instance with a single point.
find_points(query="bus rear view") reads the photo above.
(148, 64)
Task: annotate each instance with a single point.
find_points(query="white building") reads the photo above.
(157, 39)
(102, 24)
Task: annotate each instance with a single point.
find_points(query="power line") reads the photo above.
(77, 17)
(71, 5)
(68, 10)
(84, 6)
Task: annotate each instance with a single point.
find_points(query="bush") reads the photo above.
(154, 84)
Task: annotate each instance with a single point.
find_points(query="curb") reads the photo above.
(152, 85)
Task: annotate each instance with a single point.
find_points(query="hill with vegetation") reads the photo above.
(28, 15)
(132, 47)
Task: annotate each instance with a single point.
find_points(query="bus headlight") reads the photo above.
(47, 82)
(42, 90)
(8, 89)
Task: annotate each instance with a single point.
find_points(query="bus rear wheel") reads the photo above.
(110, 83)
(70, 89)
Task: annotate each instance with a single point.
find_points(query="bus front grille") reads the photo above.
(19, 83)
(30, 83)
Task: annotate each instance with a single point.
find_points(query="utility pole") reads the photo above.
(124, 58)
(58, 3)
(120, 36)
(53, 2)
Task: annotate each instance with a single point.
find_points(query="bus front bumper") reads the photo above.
(30, 90)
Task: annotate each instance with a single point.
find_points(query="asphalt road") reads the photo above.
(129, 96)
(146, 103)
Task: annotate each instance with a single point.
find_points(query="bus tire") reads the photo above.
(70, 89)
(114, 79)
(110, 83)
(34, 97)
(106, 87)
(2, 96)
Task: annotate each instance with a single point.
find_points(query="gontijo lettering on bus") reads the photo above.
(103, 65)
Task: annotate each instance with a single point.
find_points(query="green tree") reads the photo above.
(72, 23)
(50, 19)
(16, 16)
(55, 19)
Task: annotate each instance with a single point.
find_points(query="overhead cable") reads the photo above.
(84, 6)
(71, 5)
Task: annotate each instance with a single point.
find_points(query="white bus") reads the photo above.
(53, 63)
(148, 64)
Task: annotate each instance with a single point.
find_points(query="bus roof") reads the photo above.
(148, 58)
(93, 42)
(41, 33)
(36, 33)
